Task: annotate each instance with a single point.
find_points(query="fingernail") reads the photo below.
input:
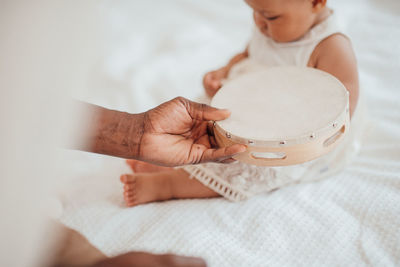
(243, 149)
(225, 110)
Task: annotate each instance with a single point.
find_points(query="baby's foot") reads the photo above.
(145, 188)
(141, 166)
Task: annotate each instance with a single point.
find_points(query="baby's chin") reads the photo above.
(281, 38)
(265, 33)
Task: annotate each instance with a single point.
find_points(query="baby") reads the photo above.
(288, 32)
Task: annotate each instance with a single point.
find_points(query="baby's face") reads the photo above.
(283, 20)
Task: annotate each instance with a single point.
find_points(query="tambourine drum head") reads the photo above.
(282, 108)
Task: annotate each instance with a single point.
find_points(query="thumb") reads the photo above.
(221, 154)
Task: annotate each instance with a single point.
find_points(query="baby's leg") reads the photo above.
(141, 166)
(160, 186)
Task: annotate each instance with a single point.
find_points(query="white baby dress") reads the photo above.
(239, 181)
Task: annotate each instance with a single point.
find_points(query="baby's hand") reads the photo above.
(212, 81)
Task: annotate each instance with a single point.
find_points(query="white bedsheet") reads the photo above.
(156, 50)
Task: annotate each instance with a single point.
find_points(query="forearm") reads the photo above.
(110, 132)
(236, 59)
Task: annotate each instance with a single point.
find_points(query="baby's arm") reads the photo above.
(335, 55)
(236, 59)
(212, 81)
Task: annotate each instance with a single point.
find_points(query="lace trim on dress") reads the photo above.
(206, 177)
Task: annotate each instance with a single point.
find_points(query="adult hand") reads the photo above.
(175, 133)
(141, 259)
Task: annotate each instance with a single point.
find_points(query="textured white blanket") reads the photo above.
(160, 49)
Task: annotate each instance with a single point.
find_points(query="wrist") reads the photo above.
(225, 70)
(117, 133)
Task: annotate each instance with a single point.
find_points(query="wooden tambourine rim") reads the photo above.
(331, 128)
(294, 154)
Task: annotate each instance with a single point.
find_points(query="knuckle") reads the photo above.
(183, 101)
(180, 98)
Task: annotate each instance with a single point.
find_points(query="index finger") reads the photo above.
(204, 112)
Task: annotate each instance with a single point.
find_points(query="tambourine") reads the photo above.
(285, 115)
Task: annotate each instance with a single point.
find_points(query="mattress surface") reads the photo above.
(151, 55)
